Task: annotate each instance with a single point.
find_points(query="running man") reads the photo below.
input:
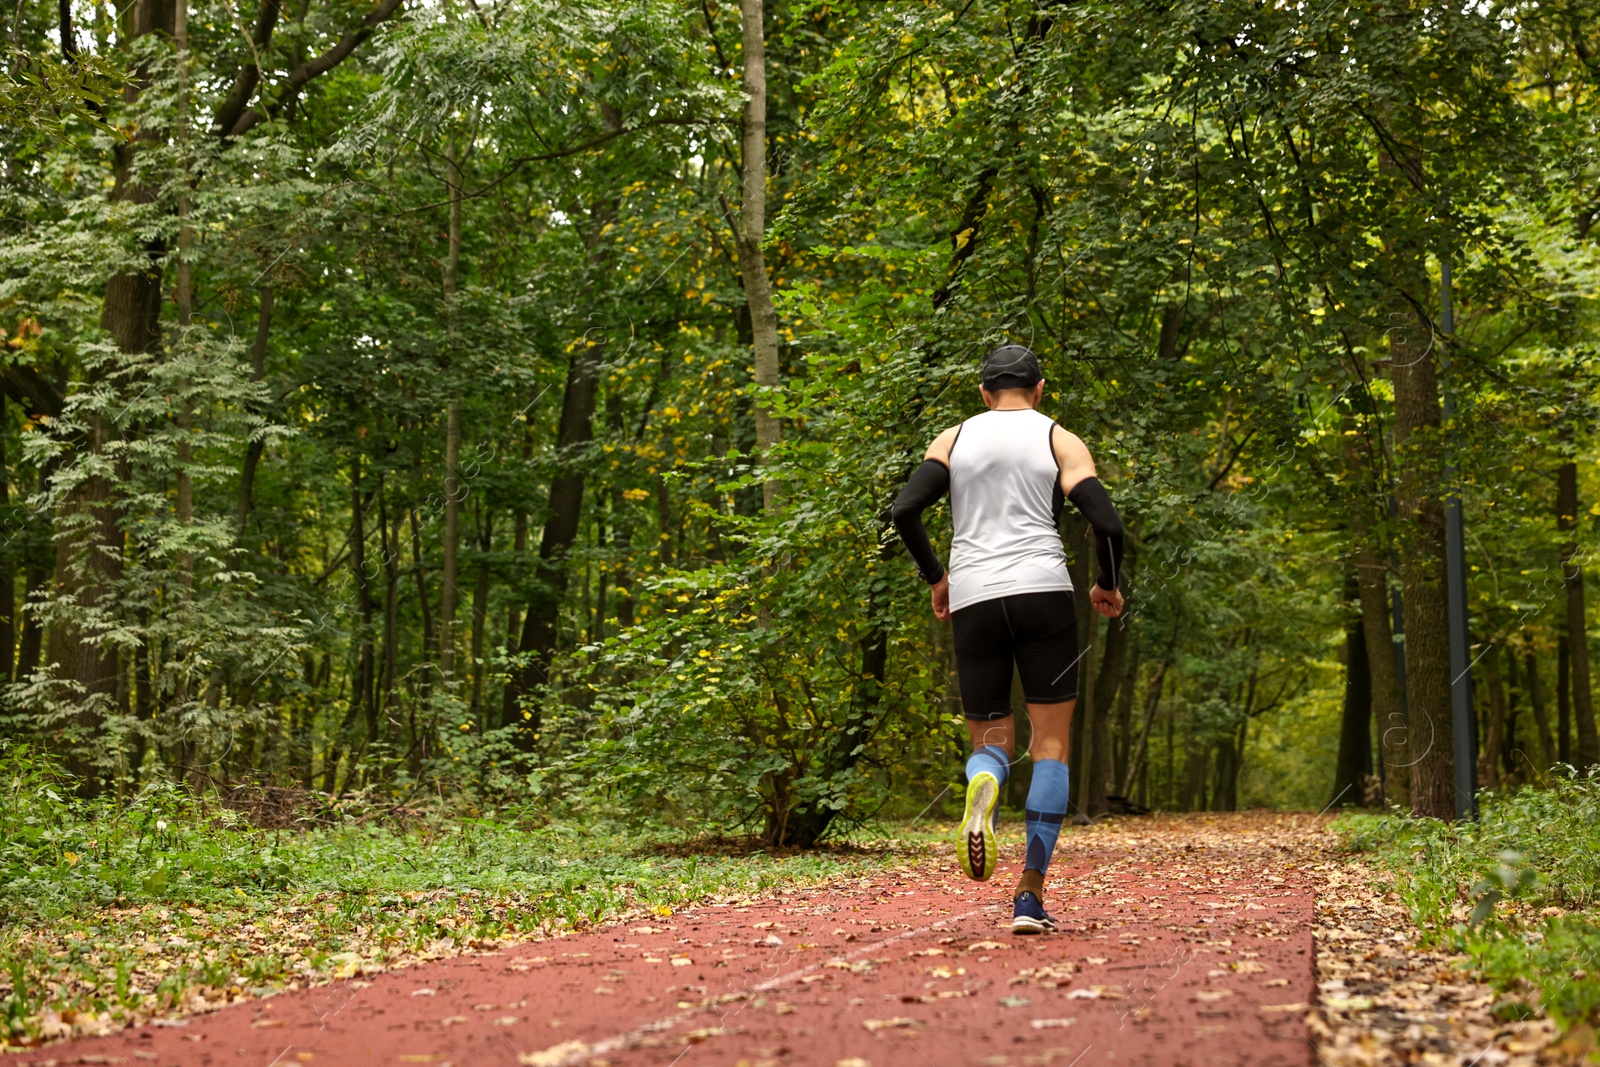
(1009, 597)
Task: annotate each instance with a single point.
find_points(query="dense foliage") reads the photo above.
(380, 412)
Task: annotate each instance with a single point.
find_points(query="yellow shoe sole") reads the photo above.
(975, 844)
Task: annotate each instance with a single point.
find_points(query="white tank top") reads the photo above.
(1005, 492)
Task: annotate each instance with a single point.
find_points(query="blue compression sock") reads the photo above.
(1047, 807)
(991, 758)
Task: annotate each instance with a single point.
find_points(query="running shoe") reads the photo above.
(975, 845)
(1028, 915)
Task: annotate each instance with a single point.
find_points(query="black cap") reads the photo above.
(1011, 367)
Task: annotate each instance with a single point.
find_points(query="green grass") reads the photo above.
(1518, 892)
(116, 911)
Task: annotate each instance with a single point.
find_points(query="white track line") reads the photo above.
(620, 1041)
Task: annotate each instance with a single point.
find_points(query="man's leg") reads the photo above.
(1048, 796)
(1047, 662)
(994, 741)
(983, 666)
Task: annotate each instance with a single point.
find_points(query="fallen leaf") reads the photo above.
(898, 1022)
(424, 992)
(345, 964)
(1052, 1024)
(554, 1056)
(694, 1037)
(1095, 992)
(1347, 1003)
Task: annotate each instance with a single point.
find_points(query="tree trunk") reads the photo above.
(1564, 700)
(597, 619)
(1577, 628)
(1172, 780)
(1075, 534)
(1196, 764)
(752, 232)
(1513, 757)
(480, 608)
(1494, 737)
(452, 439)
(88, 561)
(1541, 717)
(389, 544)
(1230, 761)
(185, 288)
(8, 566)
(361, 682)
(1419, 458)
(1152, 702)
(34, 580)
(621, 524)
(253, 450)
(539, 625)
(519, 549)
(1372, 584)
(420, 569)
(1122, 747)
(1098, 728)
(1355, 739)
(452, 541)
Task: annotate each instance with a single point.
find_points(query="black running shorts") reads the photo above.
(1036, 631)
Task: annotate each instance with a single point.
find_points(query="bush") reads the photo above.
(1518, 891)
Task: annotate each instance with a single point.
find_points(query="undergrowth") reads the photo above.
(111, 912)
(1518, 891)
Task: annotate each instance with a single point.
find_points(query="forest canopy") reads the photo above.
(504, 400)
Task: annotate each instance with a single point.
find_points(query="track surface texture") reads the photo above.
(1182, 941)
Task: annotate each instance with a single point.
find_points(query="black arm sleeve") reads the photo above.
(1089, 496)
(928, 483)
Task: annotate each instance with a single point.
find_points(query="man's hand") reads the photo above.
(941, 597)
(1107, 602)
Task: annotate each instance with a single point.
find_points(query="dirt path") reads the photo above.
(1182, 942)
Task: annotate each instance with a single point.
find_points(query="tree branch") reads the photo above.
(300, 77)
(233, 106)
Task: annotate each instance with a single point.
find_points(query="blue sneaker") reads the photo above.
(1029, 917)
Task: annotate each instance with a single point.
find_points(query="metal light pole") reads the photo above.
(1464, 724)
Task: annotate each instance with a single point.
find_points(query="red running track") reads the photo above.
(1170, 953)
